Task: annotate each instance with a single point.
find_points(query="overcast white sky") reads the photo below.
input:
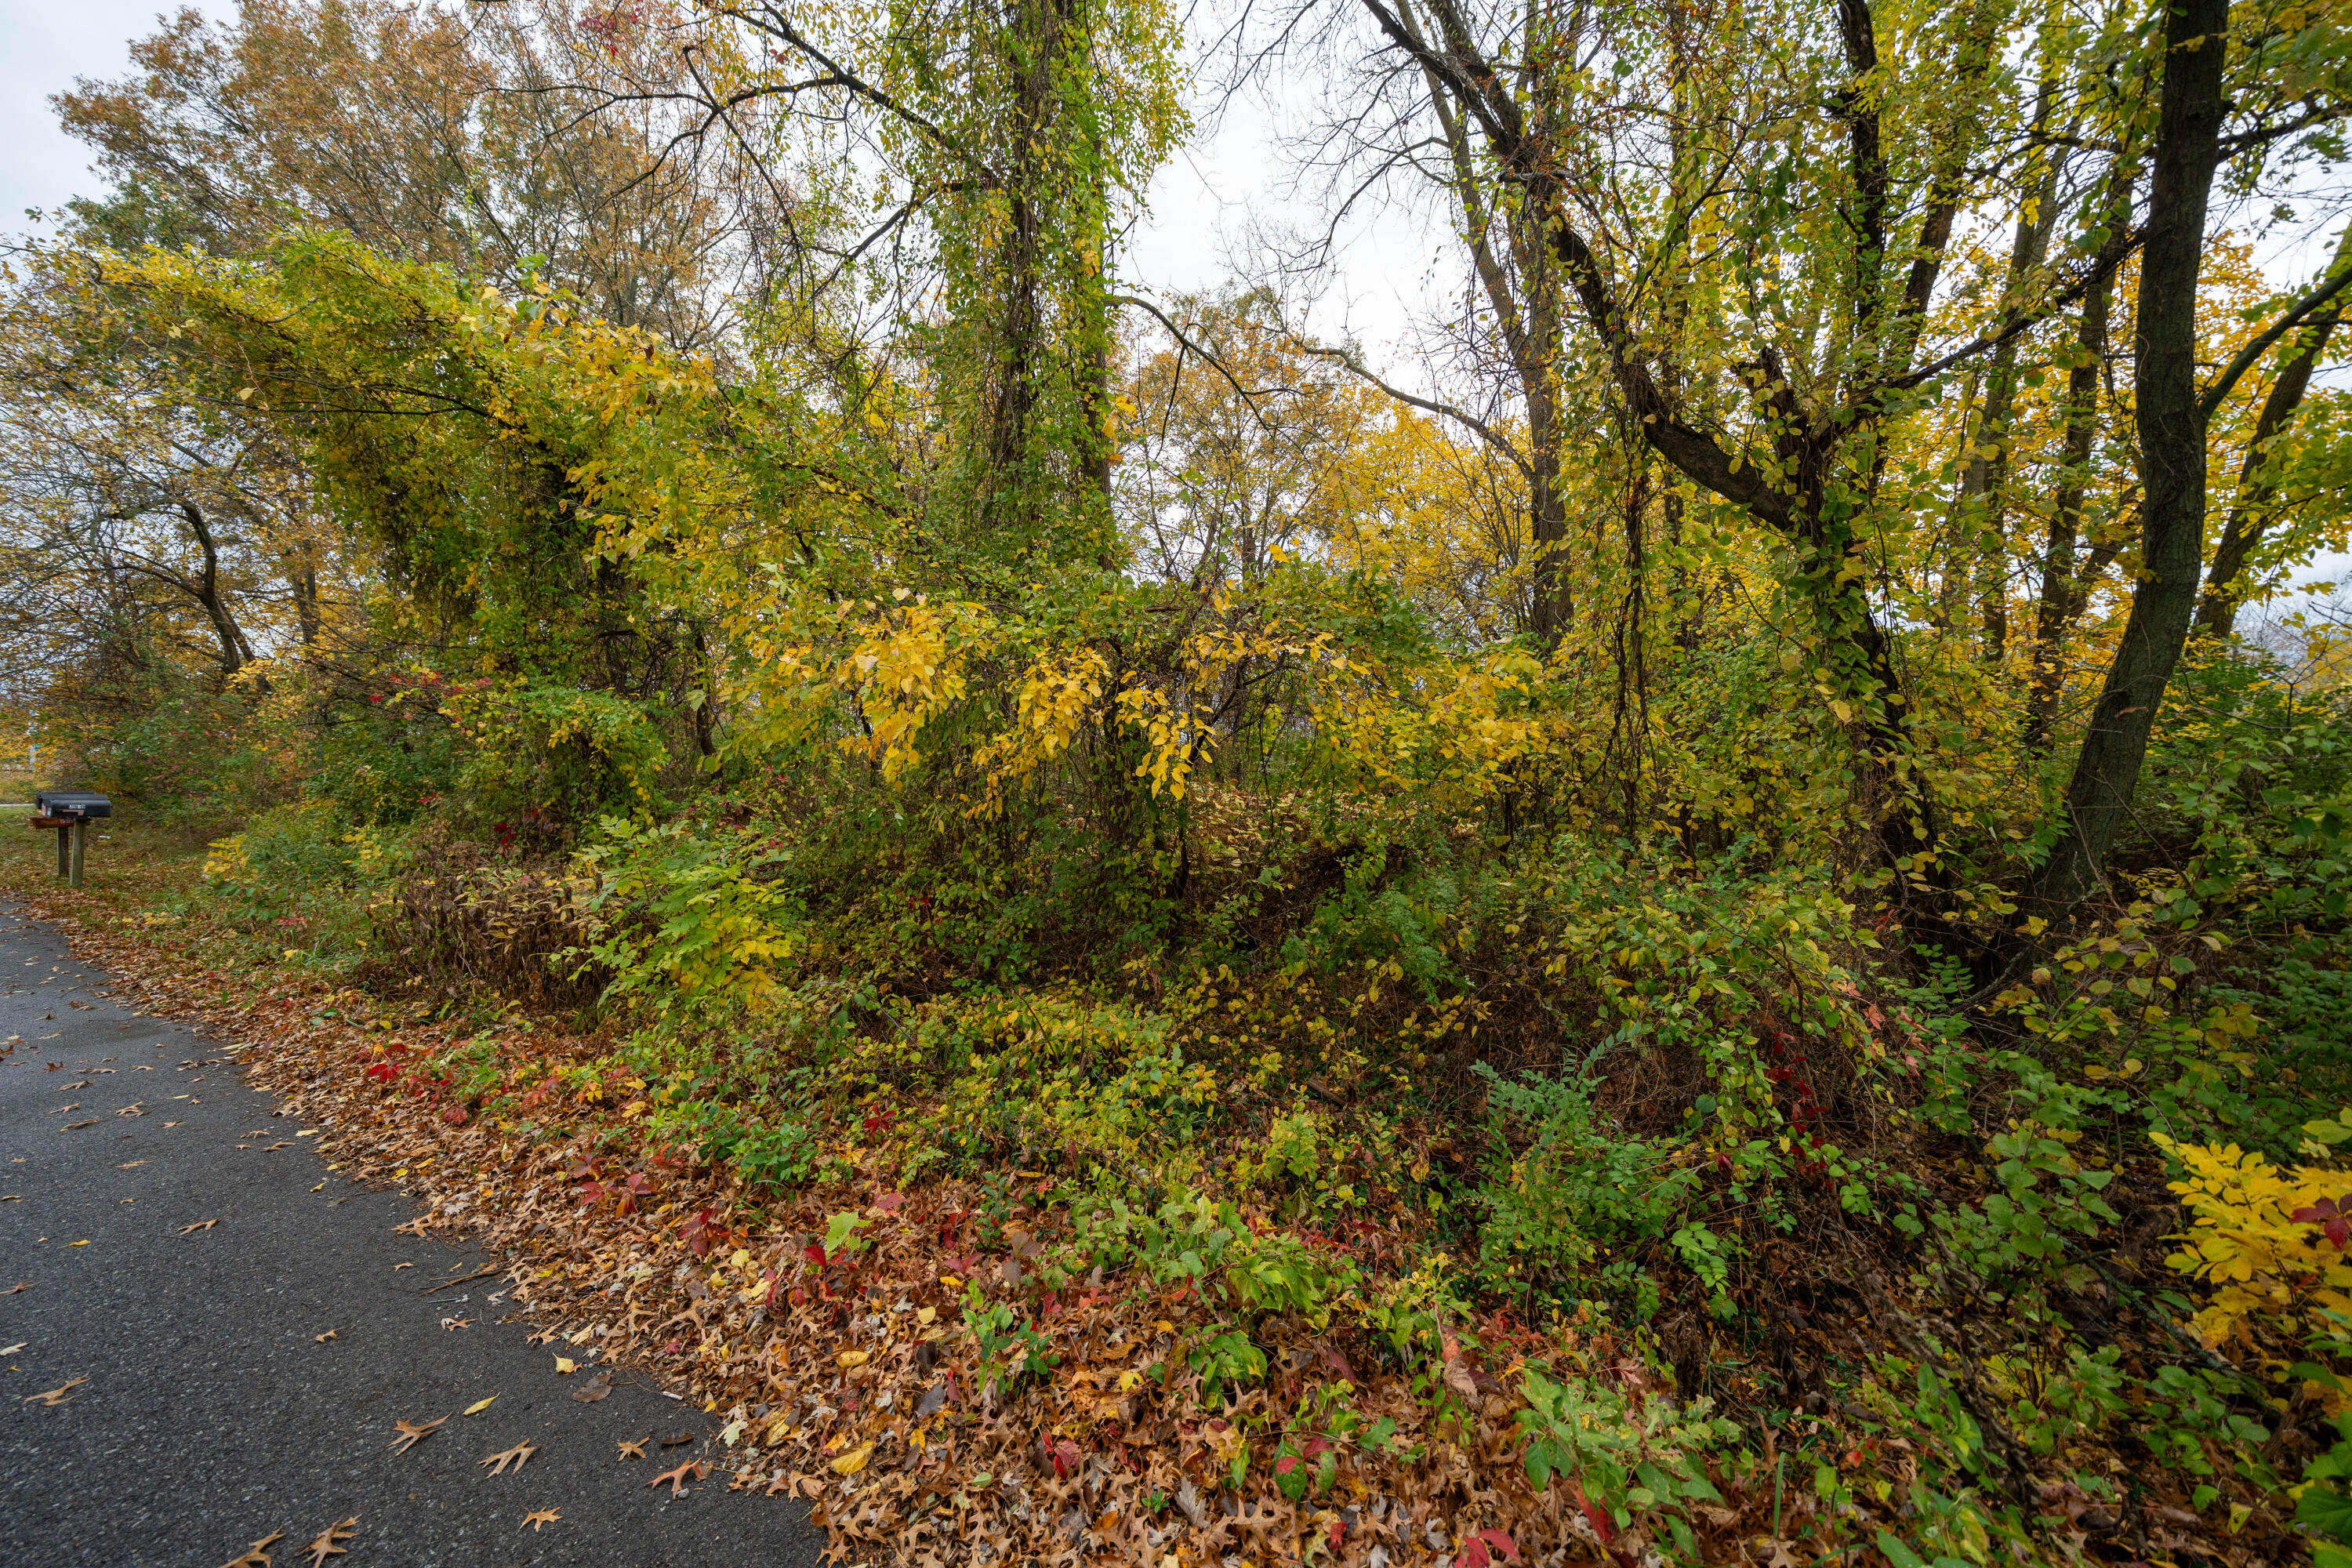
(44, 45)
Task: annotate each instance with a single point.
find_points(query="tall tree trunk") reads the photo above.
(1984, 483)
(2063, 591)
(2249, 512)
(2171, 424)
(1527, 300)
(1009, 482)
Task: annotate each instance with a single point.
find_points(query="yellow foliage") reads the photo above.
(2266, 1268)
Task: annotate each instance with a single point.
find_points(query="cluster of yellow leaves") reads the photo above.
(2265, 1267)
(1472, 718)
(907, 669)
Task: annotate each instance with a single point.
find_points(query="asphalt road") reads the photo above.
(211, 1414)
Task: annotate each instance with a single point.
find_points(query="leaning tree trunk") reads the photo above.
(2250, 514)
(2172, 454)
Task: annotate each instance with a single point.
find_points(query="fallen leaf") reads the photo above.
(256, 1555)
(327, 1546)
(852, 1462)
(411, 1433)
(634, 1450)
(322, 1339)
(565, 1366)
(544, 1516)
(57, 1396)
(12, 1350)
(77, 1126)
(675, 1438)
(200, 1224)
(449, 1323)
(517, 1456)
(132, 1165)
(854, 1358)
(692, 1470)
(594, 1389)
(12, 1290)
(479, 1405)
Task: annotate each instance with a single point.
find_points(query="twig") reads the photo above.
(496, 1268)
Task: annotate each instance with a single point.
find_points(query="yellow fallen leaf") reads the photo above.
(1129, 1381)
(854, 1358)
(479, 1405)
(925, 1314)
(1164, 1326)
(950, 1281)
(565, 1366)
(852, 1462)
(77, 1244)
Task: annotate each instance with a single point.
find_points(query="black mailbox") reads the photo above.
(70, 812)
(74, 805)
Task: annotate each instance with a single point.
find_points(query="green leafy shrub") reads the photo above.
(558, 752)
(1625, 1458)
(1573, 1188)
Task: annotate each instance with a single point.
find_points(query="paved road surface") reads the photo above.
(212, 1415)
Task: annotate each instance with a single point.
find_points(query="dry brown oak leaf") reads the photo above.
(57, 1396)
(692, 1470)
(594, 1389)
(256, 1555)
(538, 1517)
(200, 1224)
(328, 1545)
(497, 1463)
(411, 1433)
(634, 1450)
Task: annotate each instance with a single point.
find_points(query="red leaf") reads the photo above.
(1602, 1525)
(1285, 1463)
(889, 1201)
(454, 1115)
(1496, 1540)
(1065, 1457)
